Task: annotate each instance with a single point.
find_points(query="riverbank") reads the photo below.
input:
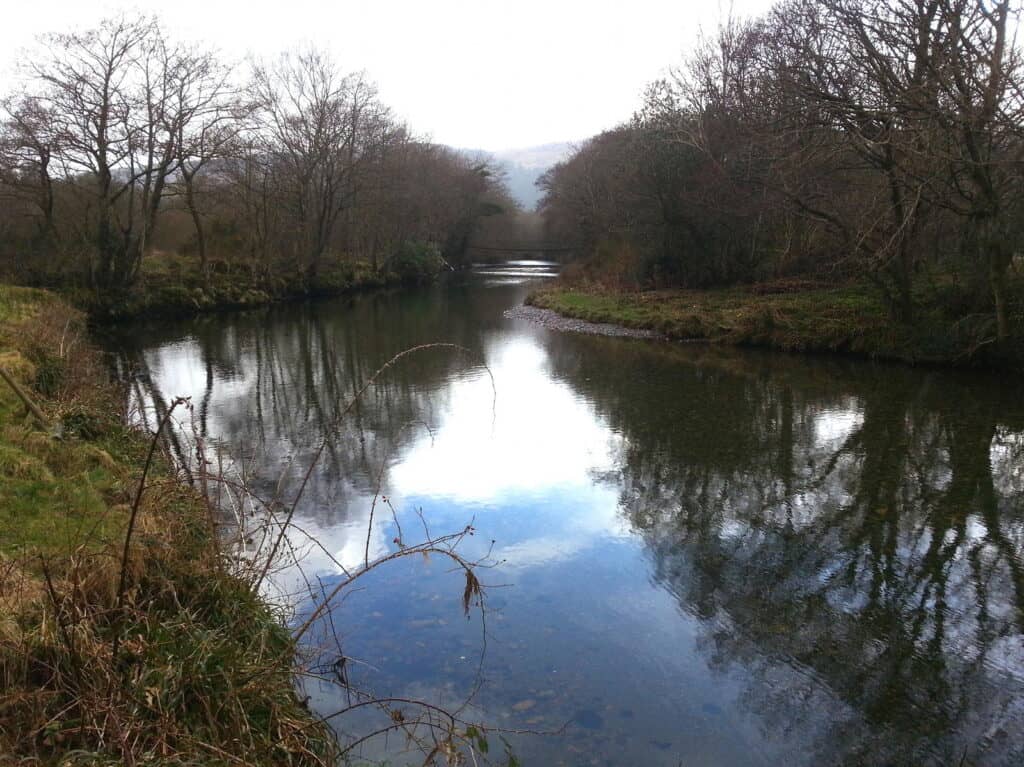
(803, 318)
(171, 286)
(113, 653)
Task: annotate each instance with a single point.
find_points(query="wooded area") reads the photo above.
(121, 146)
(829, 139)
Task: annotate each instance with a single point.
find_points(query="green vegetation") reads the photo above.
(172, 285)
(186, 665)
(800, 316)
(416, 262)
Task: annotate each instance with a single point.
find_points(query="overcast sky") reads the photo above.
(470, 73)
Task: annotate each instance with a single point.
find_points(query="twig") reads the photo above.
(327, 437)
(136, 504)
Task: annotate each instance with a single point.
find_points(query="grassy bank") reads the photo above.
(173, 286)
(161, 656)
(807, 318)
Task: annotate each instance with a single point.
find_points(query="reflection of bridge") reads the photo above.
(542, 247)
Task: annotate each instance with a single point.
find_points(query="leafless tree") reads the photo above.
(122, 98)
(318, 124)
(216, 115)
(27, 149)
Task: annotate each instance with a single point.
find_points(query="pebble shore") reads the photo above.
(556, 321)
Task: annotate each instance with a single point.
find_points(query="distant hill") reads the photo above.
(524, 166)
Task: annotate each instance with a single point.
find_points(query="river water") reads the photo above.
(700, 556)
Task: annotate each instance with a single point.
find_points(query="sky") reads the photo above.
(470, 73)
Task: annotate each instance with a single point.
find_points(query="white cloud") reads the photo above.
(480, 457)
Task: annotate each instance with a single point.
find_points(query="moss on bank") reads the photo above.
(203, 674)
(848, 319)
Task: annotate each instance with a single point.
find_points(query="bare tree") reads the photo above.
(28, 145)
(122, 99)
(980, 110)
(86, 83)
(215, 114)
(318, 124)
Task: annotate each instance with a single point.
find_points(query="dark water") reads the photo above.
(707, 557)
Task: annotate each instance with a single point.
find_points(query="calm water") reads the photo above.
(705, 557)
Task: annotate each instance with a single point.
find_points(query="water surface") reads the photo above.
(703, 556)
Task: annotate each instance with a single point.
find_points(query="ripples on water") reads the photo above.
(706, 556)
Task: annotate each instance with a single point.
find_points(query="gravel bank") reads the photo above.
(555, 321)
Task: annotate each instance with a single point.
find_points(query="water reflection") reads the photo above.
(513, 272)
(847, 521)
(716, 557)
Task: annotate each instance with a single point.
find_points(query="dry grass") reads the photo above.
(128, 635)
(161, 656)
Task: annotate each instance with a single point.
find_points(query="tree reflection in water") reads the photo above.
(848, 537)
(862, 525)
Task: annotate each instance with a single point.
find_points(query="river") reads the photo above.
(701, 556)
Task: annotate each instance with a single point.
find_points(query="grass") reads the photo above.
(802, 317)
(202, 672)
(55, 493)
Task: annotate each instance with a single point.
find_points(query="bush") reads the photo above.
(333, 278)
(416, 262)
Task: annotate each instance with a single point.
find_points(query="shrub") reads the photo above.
(416, 262)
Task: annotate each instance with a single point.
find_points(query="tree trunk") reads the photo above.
(104, 235)
(197, 222)
(904, 288)
(997, 279)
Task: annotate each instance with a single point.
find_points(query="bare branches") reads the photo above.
(321, 126)
(294, 166)
(121, 100)
(439, 732)
(873, 139)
